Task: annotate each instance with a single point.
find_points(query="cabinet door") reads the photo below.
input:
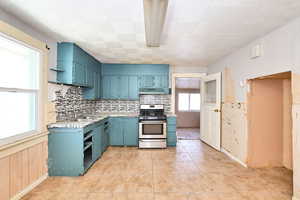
(106, 87)
(103, 139)
(79, 74)
(116, 132)
(115, 87)
(97, 143)
(99, 84)
(124, 87)
(133, 88)
(130, 131)
(90, 77)
(147, 81)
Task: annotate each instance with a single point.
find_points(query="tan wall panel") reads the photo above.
(287, 125)
(229, 89)
(4, 178)
(296, 149)
(265, 148)
(19, 178)
(234, 130)
(296, 88)
(45, 158)
(36, 162)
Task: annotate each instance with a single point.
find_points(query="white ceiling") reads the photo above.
(188, 83)
(196, 33)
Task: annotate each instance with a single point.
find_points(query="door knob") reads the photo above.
(217, 110)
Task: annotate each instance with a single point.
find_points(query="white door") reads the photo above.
(211, 110)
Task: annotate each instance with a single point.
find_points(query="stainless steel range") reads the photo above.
(152, 127)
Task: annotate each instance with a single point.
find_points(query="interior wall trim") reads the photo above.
(233, 158)
(173, 84)
(23, 144)
(30, 187)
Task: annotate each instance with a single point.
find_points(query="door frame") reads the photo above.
(181, 75)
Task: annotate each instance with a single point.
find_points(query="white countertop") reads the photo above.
(81, 123)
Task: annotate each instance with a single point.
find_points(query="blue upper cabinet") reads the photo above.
(77, 67)
(124, 81)
(133, 87)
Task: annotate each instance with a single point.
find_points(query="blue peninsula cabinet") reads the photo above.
(124, 131)
(72, 151)
(171, 127)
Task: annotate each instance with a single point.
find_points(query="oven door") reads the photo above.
(152, 129)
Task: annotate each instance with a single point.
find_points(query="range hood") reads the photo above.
(152, 91)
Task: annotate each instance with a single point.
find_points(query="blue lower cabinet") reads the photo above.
(73, 151)
(97, 141)
(123, 131)
(130, 131)
(105, 135)
(116, 136)
(66, 152)
(171, 126)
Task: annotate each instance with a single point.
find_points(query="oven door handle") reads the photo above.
(152, 122)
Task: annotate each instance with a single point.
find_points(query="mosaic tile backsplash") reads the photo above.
(71, 105)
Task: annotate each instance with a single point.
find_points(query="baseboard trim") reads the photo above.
(234, 158)
(30, 187)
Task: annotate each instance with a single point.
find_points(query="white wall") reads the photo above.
(188, 69)
(281, 53)
(52, 44)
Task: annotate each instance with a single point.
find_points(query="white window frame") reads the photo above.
(38, 97)
(189, 106)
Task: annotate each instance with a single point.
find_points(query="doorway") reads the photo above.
(187, 108)
(270, 141)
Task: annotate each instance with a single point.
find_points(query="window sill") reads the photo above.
(19, 139)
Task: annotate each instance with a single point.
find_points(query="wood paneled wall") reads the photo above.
(21, 169)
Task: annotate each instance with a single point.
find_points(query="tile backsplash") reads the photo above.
(71, 105)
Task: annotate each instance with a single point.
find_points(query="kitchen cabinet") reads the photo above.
(130, 129)
(147, 81)
(105, 136)
(124, 81)
(114, 87)
(123, 131)
(116, 136)
(78, 68)
(72, 151)
(124, 87)
(93, 92)
(133, 92)
(97, 141)
(171, 128)
(120, 87)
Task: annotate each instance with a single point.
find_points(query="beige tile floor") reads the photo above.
(192, 171)
(188, 133)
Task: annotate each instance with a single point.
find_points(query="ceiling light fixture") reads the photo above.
(154, 14)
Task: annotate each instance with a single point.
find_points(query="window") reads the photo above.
(19, 88)
(189, 102)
